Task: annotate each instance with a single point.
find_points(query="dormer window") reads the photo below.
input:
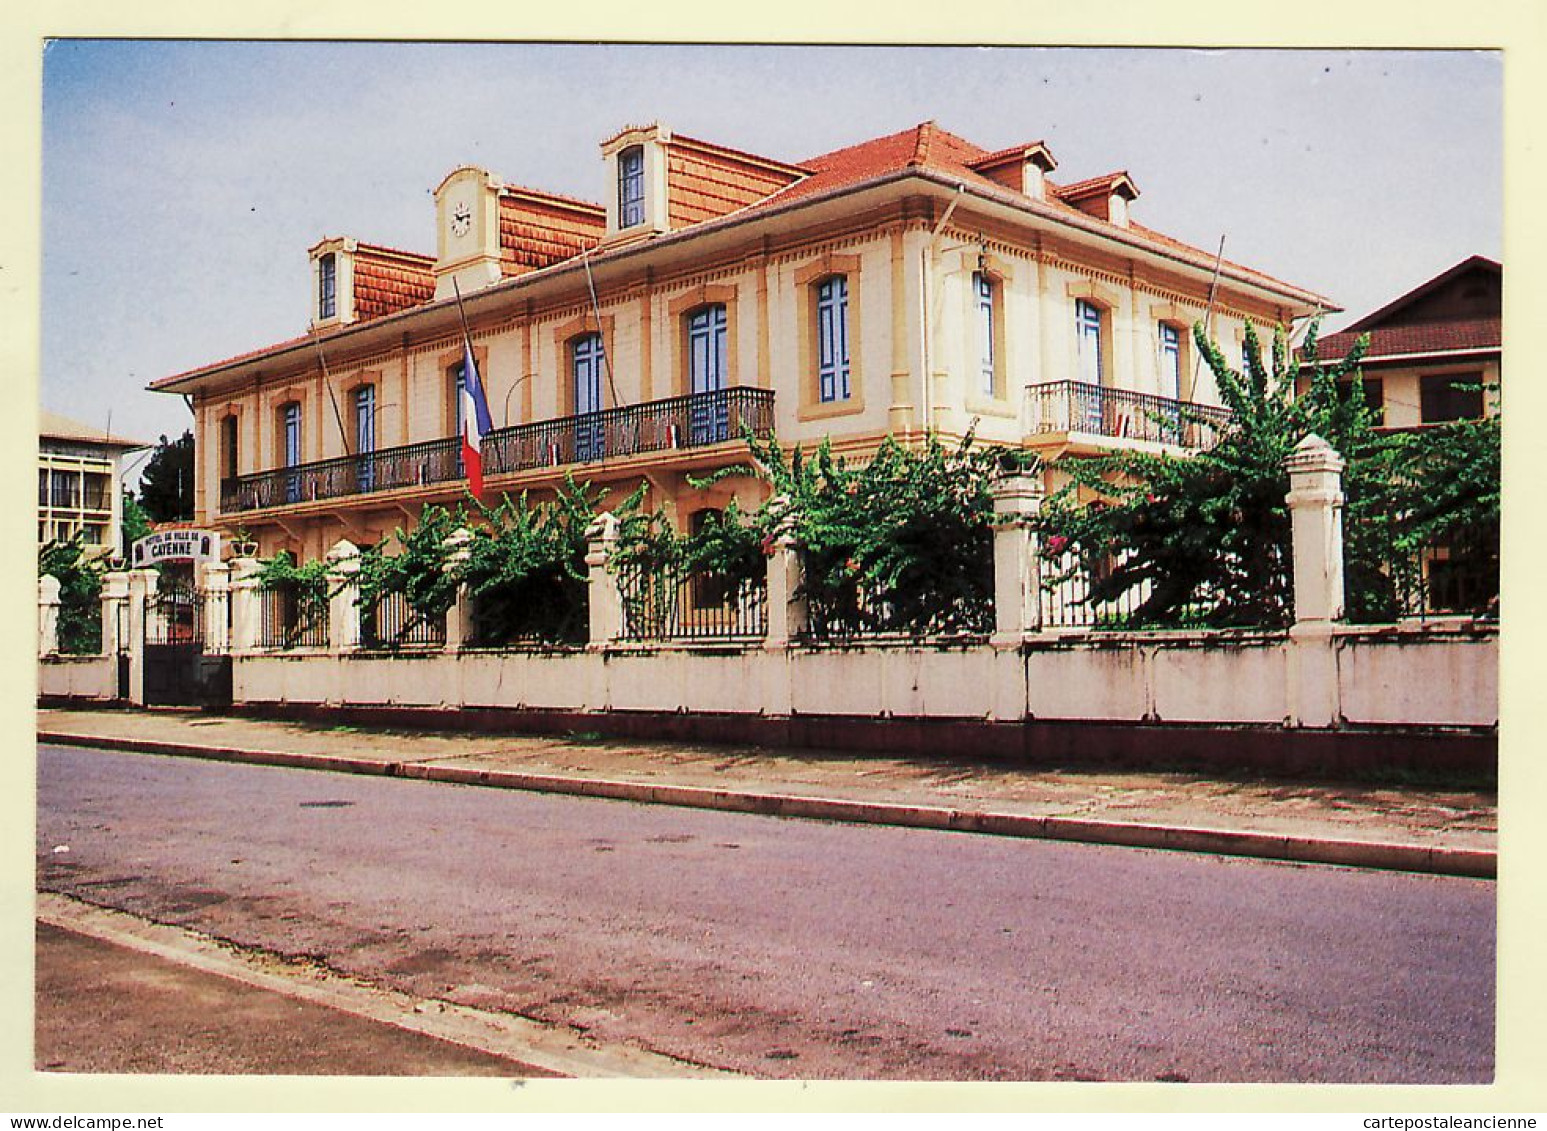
(631, 187)
(327, 286)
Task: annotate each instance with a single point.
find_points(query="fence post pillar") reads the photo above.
(217, 606)
(1316, 526)
(786, 603)
(1017, 578)
(602, 596)
(142, 587)
(246, 598)
(115, 595)
(459, 616)
(48, 615)
(343, 577)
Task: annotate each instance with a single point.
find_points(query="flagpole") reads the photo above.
(473, 384)
(467, 339)
(328, 384)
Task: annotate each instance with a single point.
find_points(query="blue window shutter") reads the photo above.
(983, 290)
(1088, 332)
(631, 187)
(832, 305)
(707, 345)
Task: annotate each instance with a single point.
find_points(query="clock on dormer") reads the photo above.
(461, 219)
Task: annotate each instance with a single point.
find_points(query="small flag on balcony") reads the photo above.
(476, 422)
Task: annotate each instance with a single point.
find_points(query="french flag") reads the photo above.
(476, 422)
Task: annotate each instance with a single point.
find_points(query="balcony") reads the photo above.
(675, 424)
(1074, 407)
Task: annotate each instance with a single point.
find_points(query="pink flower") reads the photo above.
(1057, 544)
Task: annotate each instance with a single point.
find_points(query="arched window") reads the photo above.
(631, 187)
(832, 332)
(228, 447)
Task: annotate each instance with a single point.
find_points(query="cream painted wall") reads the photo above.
(1400, 389)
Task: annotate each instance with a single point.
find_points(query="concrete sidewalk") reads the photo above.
(1389, 826)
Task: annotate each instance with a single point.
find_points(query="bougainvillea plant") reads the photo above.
(1204, 538)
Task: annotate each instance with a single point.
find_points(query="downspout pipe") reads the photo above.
(927, 287)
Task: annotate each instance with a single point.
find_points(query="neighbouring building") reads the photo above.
(910, 282)
(79, 486)
(1435, 352)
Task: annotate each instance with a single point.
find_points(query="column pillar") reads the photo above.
(459, 617)
(246, 600)
(48, 615)
(786, 603)
(115, 595)
(142, 587)
(1017, 578)
(343, 596)
(606, 603)
(217, 606)
(1316, 527)
(1316, 522)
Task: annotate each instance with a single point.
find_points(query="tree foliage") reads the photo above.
(525, 566)
(902, 542)
(136, 523)
(80, 595)
(166, 485)
(1205, 538)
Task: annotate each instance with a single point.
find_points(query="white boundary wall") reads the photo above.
(1429, 677)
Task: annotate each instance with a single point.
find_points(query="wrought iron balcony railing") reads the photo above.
(692, 421)
(1075, 406)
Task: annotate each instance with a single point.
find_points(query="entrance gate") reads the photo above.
(178, 670)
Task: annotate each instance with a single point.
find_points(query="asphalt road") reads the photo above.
(796, 948)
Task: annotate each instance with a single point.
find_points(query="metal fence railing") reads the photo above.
(1066, 595)
(693, 421)
(552, 610)
(857, 613)
(665, 605)
(1077, 406)
(390, 622)
(290, 618)
(1457, 575)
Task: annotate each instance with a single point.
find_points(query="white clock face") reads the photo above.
(461, 219)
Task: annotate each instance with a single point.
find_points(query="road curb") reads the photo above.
(1470, 862)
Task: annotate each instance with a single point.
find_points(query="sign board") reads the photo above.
(175, 546)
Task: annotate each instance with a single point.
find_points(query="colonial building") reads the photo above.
(1435, 352)
(79, 487)
(907, 283)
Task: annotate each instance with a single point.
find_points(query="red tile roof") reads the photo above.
(1423, 337)
(527, 245)
(704, 181)
(927, 146)
(387, 280)
(541, 228)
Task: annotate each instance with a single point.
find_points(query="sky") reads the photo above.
(184, 181)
